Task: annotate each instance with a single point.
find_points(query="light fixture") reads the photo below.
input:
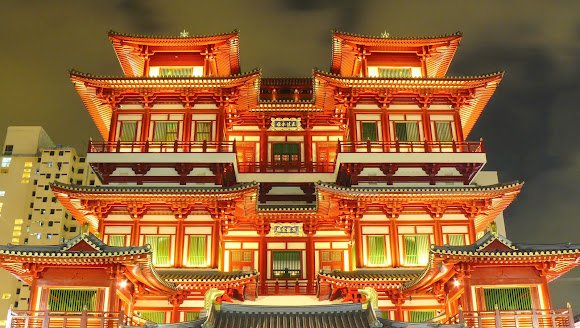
(456, 282)
(123, 283)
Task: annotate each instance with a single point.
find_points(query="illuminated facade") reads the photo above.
(357, 177)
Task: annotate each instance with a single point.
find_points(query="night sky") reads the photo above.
(530, 126)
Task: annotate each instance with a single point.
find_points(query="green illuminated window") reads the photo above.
(72, 300)
(407, 131)
(515, 298)
(286, 264)
(443, 131)
(153, 316)
(394, 72)
(416, 249)
(456, 239)
(128, 131)
(165, 131)
(117, 240)
(377, 250)
(421, 316)
(197, 251)
(161, 248)
(369, 131)
(203, 131)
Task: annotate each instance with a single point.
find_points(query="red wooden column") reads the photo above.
(215, 236)
(263, 229)
(310, 265)
(112, 293)
(179, 243)
(358, 244)
(187, 126)
(263, 147)
(457, 122)
(394, 240)
(135, 232)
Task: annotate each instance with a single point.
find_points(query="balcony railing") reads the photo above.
(411, 147)
(82, 319)
(519, 318)
(298, 167)
(162, 147)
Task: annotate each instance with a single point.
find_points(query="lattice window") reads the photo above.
(443, 131)
(203, 131)
(190, 316)
(116, 240)
(421, 315)
(196, 255)
(176, 71)
(377, 250)
(242, 260)
(506, 299)
(456, 239)
(369, 131)
(153, 316)
(331, 260)
(286, 152)
(407, 131)
(161, 248)
(128, 131)
(72, 300)
(395, 72)
(416, 249)
(165, 131)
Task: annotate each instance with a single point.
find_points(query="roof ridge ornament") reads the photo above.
(385, 34)
(184, 33)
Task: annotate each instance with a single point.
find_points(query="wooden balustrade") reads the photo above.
(162, 147)
(411, 147)
(82, 319)
(515, 319)
(288, 167)
(289, 287)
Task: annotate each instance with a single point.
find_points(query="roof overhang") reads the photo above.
(132, 50)
(438, 50)
(471, 93)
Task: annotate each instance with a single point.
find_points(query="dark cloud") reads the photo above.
(141, 15)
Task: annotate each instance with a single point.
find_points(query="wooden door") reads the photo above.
(325, 156)
(246, 156)
(242, 260)
(331, 260)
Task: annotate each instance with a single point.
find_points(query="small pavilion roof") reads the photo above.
(476, 89)
(132, 49)
(439, 50)
(84, 250)
(203, 279)
(379, 279)
(79, 199)
(495, 249)
(96, 90)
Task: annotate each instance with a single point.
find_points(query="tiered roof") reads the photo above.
(101, 94)
(475, 91)
(485, 202)
(439, 50)
(131, 49)
(81, 201)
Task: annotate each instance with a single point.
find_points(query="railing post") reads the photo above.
(497, 317)
(338, 147)
(175, 146)
(481, 148)
(234, 147)
(397, 147)
(46, 318)
(368, 145)
(461, 316)
(535, 322)
(83, 323)
(146, 146)
(277, 288)
(204, 146)
(517, 319)
(570, 314)
(118, 146)
(553, 318)
(454, 145)
(297, 287)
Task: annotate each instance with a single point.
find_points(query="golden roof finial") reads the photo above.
(184, 34)
(385, 34)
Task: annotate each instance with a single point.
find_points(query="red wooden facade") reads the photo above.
(268, 186)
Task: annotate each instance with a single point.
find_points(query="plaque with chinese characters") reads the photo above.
(286, 230)
(285, 124)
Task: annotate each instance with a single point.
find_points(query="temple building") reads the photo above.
(360, 184)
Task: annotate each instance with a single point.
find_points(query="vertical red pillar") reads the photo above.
(310, 273)
(262, 263)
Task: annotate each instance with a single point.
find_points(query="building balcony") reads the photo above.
(163, 162)
(401, 162)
